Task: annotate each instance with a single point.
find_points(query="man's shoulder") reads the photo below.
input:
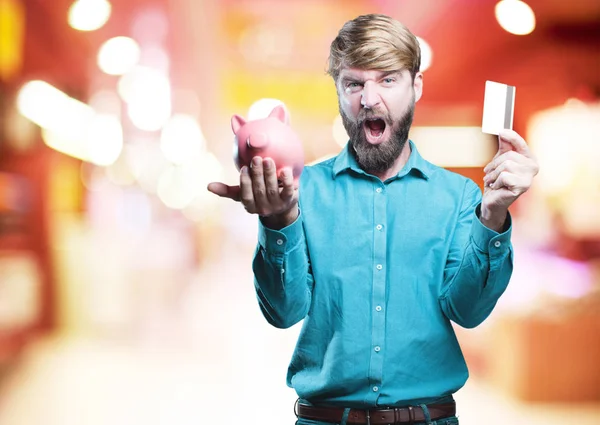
(322, 167)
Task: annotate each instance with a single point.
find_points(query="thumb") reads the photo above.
(504, 146)
(224, 191)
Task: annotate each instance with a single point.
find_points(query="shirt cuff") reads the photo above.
(488, 240)
(280, 241)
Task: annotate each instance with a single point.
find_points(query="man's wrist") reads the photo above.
(493, 219)
(279, 221)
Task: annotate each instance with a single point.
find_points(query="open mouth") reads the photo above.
(374, 129)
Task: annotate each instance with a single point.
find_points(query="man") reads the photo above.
(383, 249)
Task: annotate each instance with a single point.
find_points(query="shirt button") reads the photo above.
(279, 241)
(378, 190)
(379, 266)
(375, 389)
(379, 227)
(497, 244)
(377, 349)
(378, 308)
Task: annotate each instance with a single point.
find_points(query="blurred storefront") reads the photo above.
(114, 116)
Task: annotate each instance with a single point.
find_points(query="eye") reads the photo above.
(352, 87)
(389, 80)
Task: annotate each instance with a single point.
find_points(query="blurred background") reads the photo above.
(126, 293)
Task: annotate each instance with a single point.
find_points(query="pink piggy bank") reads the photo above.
(270, 137)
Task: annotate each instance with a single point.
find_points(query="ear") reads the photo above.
(418, 86)
(236, 123)
(280, 113)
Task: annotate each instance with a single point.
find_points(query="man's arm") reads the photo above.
(479, 265)
(282, 274)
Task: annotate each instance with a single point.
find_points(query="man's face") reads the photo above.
(377, 109)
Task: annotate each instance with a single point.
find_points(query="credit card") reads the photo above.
(498, 107)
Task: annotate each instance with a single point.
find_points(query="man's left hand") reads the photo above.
(507, 176)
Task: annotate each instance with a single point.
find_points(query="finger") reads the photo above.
(514, 139)
(272, 185)
(499, 159)
(506, 180)
(246, 193)
(496, 161)
(287, 179)
(509, 166)
(258, 184)
(224, 191)
(504, 146)
(491, 176)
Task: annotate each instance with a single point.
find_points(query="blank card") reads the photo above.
(498, 107)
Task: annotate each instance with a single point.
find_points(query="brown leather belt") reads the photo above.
(403, 415)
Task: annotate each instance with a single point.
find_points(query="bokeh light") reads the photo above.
(339, 132)
(148, 95)
(426, 54)
(263, 107)
(106, 102)
(155, 57)
(104, 139)
(178, 186)
(121, 172)
(148, 163)
(49, 107)
(181, 139)
(118, 55)
(89, 15)
(515, 16)
(70, 126)
(98, 140)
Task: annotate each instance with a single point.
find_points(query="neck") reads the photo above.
(398, 164)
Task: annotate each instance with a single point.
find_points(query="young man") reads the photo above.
(383, 249)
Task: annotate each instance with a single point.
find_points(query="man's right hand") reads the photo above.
(259, 193)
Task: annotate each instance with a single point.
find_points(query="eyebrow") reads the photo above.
(388, 73)
(350, 79)
(353, 79)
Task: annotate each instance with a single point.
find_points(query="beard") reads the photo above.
(376, 159)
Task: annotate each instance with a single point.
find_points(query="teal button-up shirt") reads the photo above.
(377, 270)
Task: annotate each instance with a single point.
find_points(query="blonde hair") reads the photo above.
(374, 42)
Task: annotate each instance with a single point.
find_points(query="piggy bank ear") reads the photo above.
(280, 113)
(236, 123)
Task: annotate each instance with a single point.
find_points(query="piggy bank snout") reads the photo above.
(257, 141)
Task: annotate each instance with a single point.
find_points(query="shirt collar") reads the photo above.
(345, 160)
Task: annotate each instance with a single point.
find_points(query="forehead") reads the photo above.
(365, 74)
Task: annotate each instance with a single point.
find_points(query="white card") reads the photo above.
(498, 107)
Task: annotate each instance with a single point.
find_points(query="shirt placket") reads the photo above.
(378, 293)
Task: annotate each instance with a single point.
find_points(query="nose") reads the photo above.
(370, 97)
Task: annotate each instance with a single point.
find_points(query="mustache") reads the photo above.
(366, 114)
